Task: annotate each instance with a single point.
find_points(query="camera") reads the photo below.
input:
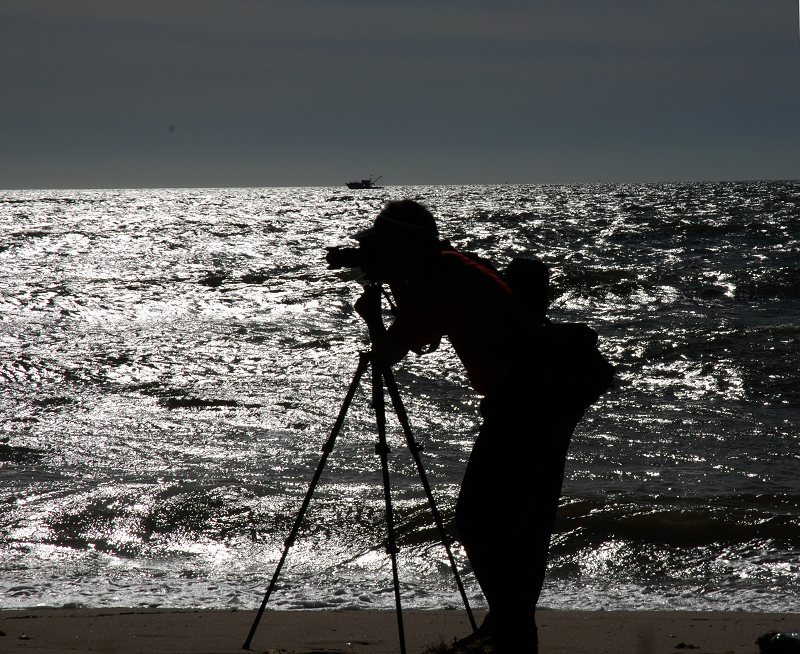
(361, 258)
(339, 257)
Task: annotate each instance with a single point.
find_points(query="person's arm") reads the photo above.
(387, 349)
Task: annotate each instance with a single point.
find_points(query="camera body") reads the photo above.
(361, 258)
(340, 257)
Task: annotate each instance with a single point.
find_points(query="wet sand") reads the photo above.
(374, 632)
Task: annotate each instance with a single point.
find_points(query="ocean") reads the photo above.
(172, 362)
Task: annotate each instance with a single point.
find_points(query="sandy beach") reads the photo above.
(374, 632)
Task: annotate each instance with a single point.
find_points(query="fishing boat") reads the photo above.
(365, 183)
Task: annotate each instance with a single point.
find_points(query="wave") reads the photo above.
(594, 282)
(18, 453)
(128, 521)
(83, 199)
(719, 522)
(783, 283)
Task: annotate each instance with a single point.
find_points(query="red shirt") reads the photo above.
(469, 303)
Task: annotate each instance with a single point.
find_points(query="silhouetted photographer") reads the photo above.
(536, 378)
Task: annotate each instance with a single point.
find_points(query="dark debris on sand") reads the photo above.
(475, 646)
(779, 643)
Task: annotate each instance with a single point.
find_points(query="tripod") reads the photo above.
(380, 374)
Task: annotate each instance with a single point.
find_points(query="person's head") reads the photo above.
(403, 234)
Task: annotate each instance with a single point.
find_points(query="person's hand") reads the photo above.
(385, 348)
(368, 306)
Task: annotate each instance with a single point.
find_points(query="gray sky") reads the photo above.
(317, 92)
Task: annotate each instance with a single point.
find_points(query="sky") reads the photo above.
(252, 93)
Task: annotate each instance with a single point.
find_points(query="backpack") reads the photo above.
(575, 364)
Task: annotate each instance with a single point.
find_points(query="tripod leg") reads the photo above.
(327, 448)
(382, 449)
(415, 448)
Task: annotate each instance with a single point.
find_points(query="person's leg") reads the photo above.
(511, 571)
(492, 527)
(505, 515)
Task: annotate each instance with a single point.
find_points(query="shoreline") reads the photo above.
(188, 631)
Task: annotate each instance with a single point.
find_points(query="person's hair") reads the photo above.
(408, 220)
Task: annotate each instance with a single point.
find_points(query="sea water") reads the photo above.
(172, 361)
